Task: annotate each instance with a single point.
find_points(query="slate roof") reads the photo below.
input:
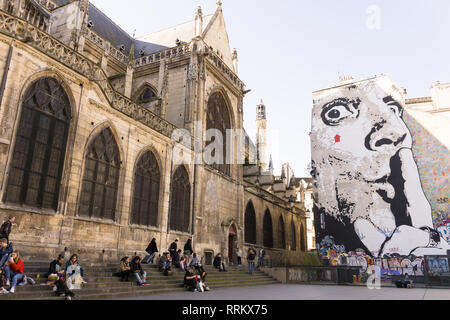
(111, 32)
(61, 2)
(183, 31)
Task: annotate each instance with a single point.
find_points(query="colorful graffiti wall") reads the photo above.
(369, 199)
(432, 156)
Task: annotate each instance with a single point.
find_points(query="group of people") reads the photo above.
(69, 276)
(11, 265)
(185, 260)
(65, 277)
(128, 267)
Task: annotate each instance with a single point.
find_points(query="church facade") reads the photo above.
(91, 121)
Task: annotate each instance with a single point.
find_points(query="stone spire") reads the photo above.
(199, 23)
(261, 137)
(271, 168)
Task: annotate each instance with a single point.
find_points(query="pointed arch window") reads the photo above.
(267, 230)
(180, 199)
(38, 158)
(147, 95)
(101, 177)
(250, 224)
(218, 118)
(293, 237)
(146, 191)
(281, 234)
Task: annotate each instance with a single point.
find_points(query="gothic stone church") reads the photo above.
(87, 116)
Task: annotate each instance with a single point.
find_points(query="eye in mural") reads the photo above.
(368, 190)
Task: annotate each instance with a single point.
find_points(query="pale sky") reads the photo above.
(290, 48)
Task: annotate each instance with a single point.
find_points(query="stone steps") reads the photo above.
(102, 285)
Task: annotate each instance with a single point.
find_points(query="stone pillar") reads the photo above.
(199, 22)
(128, 82)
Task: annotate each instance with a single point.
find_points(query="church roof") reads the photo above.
(62, 2)
(185, 32)
(111, 32)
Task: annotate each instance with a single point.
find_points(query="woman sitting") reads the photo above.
(14, 270)
(55, 271)
(124, 269)
(74, 273)
(165, 263)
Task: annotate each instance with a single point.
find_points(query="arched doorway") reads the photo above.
(232, 240)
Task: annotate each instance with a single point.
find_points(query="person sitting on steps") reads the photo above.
(74, 273)
(165, 264)
(139, 273)
(55, 271)
(195, 262)
(218, 263)
(124, 269)
(176, 260)
(14, 270)
(6, 249)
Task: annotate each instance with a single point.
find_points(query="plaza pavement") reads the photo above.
(306, 292)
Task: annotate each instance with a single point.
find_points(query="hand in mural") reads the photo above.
(405, 240)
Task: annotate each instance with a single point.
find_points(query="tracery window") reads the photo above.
(101, 177)
(146, 95)
(146, 191)
(250, 224)
(267, 230)
(40, 147)
(218, 118)
(281, 234)
(180, 199)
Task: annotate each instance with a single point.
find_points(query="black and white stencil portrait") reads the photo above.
(368, 193)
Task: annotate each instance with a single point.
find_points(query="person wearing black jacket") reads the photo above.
(191, 280)
(218, 263)
(5, 229)
(139, 273)
(188, 248)
(56, 270)
(176, 260)
(173, 248)
(152, 249)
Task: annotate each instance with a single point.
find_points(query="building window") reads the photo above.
(293, 237)
(146, 191)
(218, 118)
(40, 147)
(302, 239)
(147, 95)
(101, 177)
(267, 230)
(281, 234)
(180, 199)
(250, 224)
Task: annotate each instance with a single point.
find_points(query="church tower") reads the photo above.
(261, 137)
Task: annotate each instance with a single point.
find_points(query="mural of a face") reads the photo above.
(368, 187)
